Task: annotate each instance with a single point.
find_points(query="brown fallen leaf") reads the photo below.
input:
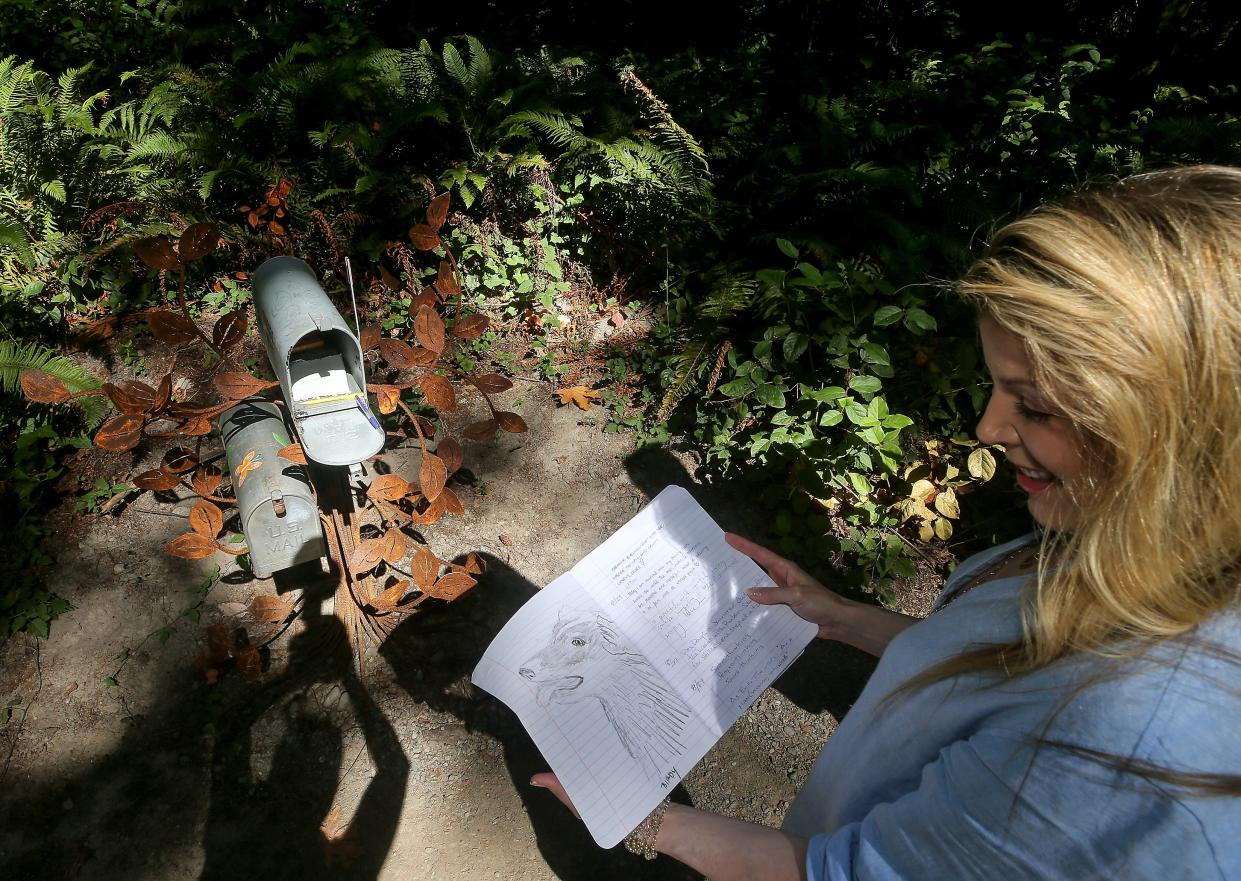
(505, 540)
(578, 394)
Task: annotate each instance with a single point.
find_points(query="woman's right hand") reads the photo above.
(795, 589)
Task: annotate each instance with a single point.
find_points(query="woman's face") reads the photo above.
(1046, 448)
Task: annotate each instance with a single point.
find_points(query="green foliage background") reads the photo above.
(786, 184)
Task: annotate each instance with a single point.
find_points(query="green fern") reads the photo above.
(16, 359)
(686, 365)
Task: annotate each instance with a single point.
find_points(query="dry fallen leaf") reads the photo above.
(577, 394)
(505, 540)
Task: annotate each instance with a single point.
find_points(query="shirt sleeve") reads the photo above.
(990, 808)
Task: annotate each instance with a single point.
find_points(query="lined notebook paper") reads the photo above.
(629, 667)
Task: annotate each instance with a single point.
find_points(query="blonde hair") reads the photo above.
(1128, 300)
(1129, 303)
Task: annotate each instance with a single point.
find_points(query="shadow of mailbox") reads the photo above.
(318, 361)
(279, 515)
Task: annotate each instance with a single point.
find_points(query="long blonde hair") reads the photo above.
(1129, 303)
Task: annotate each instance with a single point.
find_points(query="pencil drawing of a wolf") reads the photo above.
(585, 658)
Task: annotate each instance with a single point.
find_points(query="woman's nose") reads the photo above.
(996, 426)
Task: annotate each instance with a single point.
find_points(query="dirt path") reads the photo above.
(163, 777)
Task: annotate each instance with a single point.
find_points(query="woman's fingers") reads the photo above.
(768, 596)
(548, 780)
(769, 560)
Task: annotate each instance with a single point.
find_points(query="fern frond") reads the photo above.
(16, 358)
(686, 365)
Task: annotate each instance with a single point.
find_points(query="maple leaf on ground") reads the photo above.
(577, 394)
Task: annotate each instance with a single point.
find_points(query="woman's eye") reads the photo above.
(1032, 414)
(577, 641)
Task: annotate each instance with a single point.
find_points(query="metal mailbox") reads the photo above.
(279, 515)
(319, 364)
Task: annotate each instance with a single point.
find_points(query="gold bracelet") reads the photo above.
(642, 839)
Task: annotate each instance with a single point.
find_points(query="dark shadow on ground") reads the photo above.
(98, 822)
(456, 636)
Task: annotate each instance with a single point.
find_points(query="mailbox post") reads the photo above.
(318, 362)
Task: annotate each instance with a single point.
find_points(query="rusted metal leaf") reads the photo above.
(433, 512)
(230, 329)
(157, 253)
(391, 596)
(179, 459)
(387, 396)
(439, 391)
(471, 327)
(206, 519)
(157, 480)
(474, 564)
(120, 433)
(437, 211)
(450, 451)
(398, 354)
(294, 453)
(207, 480)
(424, 237)
(480, 431)
(250, 663)
(425, 297)
(511, 422)
(491, 383)
(195, 426)
(163, 395)
(366, 556)
(424, 567)
(446, 280)
(97, 331)
(369, 337)
(429, 329)
(199, 240)
(43, 388)
(388, 487)
(271, 609)
(452, 504)
(191, 546)
(392, 545)
(235, 385)
(170, 328)
(131, 396)
(451, 585)
(431, 476)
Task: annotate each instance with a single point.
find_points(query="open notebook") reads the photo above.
(629, 667)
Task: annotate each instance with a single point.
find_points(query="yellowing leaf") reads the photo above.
(946, 503)
(943, 529)
(578, 394)
(981, 464)
(922, 490)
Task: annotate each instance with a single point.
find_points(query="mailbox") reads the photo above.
(279, 516)
(319, 364)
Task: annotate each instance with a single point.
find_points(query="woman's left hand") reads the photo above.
(548, 780)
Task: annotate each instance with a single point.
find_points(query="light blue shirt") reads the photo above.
(945, 782)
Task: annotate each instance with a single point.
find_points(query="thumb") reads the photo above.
(549, 781)
(768, 596)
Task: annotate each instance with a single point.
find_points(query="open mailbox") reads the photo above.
(318, 362)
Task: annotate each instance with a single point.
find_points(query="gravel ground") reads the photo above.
(402, 771)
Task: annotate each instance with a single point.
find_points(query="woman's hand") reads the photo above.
(868, 628)
(795, 589)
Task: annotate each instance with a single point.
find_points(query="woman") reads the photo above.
(1070, 709)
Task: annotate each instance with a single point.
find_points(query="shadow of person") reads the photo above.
(455, 637)
(272, 825)
(828, 675)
